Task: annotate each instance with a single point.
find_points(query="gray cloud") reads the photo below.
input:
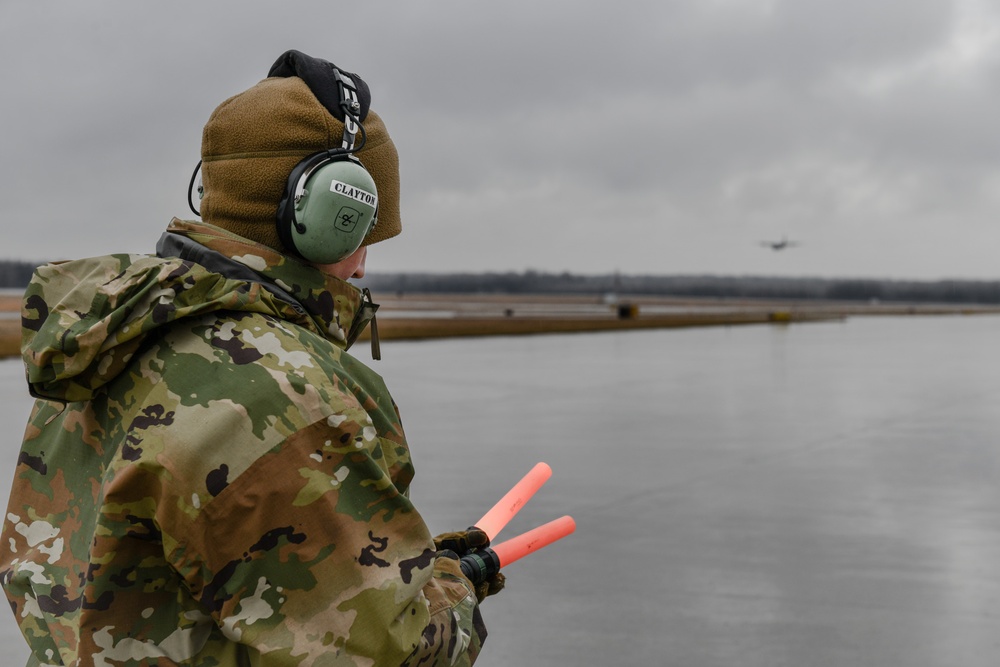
(641, 136)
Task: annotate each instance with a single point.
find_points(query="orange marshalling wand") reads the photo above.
(482, 564)
(501, 513)
(518, 547)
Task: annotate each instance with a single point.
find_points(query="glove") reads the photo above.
(491, 586)
(457, 544)
(484, 589)
(463, 541)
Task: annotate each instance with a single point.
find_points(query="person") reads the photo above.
(207, 476)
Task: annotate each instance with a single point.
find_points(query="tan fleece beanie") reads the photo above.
(253, 141)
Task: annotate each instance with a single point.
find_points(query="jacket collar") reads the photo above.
(325, 304)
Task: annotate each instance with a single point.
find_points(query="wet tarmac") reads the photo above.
(817, 495)
(821, 494)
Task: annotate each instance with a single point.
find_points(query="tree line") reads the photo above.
(16, 274)
(707, 286)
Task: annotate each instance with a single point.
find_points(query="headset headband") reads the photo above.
(348, 93)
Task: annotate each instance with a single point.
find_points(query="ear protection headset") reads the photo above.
(330, 202)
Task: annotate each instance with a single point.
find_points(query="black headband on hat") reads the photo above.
(320, 76)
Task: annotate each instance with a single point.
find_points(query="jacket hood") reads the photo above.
(83, 320)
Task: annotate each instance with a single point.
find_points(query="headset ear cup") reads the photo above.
(286, 207)
(326, 219)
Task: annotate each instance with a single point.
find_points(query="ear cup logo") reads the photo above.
(347, 218)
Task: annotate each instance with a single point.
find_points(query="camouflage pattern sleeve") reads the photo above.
(261, 518)
(209, 479)
(312, 552)
(301, 540)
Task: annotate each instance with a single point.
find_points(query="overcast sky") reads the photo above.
(663, 136)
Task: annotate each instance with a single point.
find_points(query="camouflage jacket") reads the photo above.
(208, 478)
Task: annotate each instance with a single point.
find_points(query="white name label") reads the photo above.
(354, 193)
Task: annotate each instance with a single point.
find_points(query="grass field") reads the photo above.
(10, 326)
(10, 338)
(421, 316)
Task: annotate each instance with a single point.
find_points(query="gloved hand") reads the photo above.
(491, 586)
(462, 541)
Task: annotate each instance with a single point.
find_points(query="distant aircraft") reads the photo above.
(779, 245)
